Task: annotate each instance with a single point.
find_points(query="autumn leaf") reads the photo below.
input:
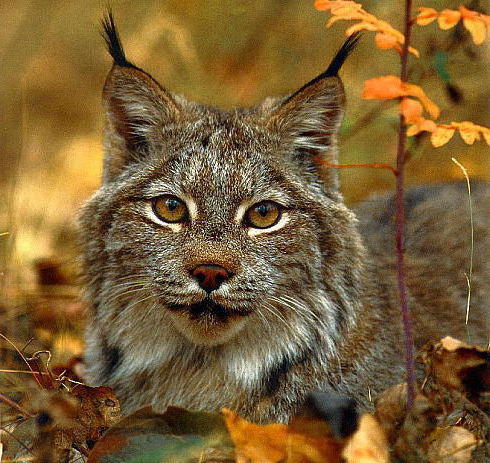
(448, 19)
(387, 37)
(476, 23)
(368, 444)
(390, 87)
(441, 136)
(273, 443)
(426, 16)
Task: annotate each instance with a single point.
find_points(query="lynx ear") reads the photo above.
(136, 106)
(309, 119)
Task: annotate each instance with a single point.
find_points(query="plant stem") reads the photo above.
(400, 220)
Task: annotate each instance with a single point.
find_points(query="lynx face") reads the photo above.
(217, 233)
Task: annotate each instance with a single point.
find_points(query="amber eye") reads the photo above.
(263, 215)
(170, 209)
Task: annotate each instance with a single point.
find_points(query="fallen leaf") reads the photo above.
(457, 365)
(391, 409)
(368, 444)
(177, 435)
(453, 444)
(256, 443)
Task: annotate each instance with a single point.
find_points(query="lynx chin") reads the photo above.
(223, 268)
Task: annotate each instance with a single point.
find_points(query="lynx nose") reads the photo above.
(210, 276)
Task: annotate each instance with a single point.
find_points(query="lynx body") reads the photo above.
(201, 298)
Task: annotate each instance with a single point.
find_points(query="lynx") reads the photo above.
(224, 269)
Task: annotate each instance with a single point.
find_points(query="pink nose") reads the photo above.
(210, 276)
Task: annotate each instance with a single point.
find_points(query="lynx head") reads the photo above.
(215, 225)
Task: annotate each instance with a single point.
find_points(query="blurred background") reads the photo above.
(219, 52)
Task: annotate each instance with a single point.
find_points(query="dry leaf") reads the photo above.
(391, 409)
(255, 443)
(390, 87)
(273, 443)
(426, 16)
(448, 19)
(458, 366)
(368, 444)
(387, 36)
(441, 136)
(411, 110)
(452, 445)
(476, 23)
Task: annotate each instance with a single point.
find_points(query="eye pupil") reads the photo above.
(172, 204)
(263, 210)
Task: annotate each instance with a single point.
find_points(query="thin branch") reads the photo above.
(374, 165)
(400, 221)
(15, 405)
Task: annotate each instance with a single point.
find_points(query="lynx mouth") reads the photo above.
(209, 308)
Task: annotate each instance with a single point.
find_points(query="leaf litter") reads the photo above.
(449, 422)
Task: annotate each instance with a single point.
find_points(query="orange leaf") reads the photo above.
(448, 18)
(254, 442)
(389, 87)
(386, 41)
(411, 110)
(426, 16)
(486, 136)
(384, 88)
(441, 136)
(430, 107)
(477, 28)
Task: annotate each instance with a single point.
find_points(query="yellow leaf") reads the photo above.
(468, 132)
(486, 136)
(477, 29)
(441, 136)
(422, 125)
(448, 19)
(426, 16)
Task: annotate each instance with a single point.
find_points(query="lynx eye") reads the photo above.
(263, 215)
(170, 209)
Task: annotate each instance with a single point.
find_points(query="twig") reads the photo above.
(23, 357)
(400, 220)
(15, 405)
(374, 165)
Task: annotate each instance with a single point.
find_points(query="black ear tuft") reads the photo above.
(343, 53)
(335, 65)
(114, 46)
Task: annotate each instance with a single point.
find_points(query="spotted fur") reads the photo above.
(308, 307)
